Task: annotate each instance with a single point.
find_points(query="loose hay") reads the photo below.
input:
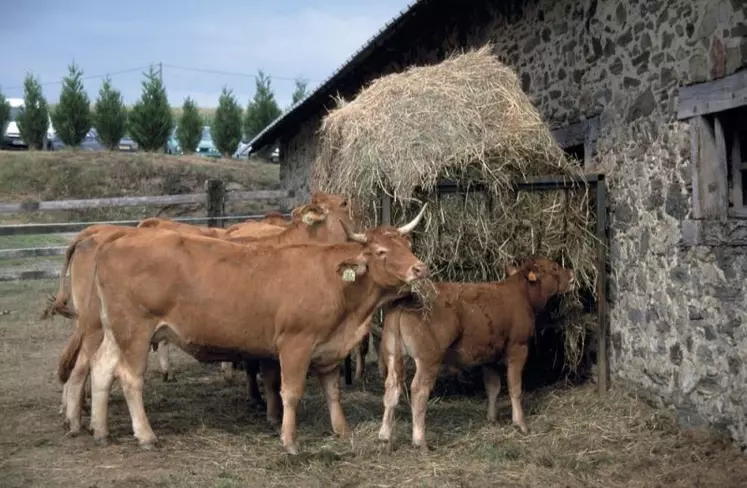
(466, 120)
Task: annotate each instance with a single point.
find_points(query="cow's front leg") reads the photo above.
(295, 358)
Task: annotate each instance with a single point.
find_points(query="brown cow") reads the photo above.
(469, 324)
(275, 218)
(175, 225)
(307, 305)
(88, 336)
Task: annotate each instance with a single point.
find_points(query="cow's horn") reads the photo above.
(407, 228)
(360, 238)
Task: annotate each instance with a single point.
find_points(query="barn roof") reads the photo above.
(316, 99)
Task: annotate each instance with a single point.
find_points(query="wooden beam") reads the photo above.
(33, 252)
(60, 227)
(41, 206)
(578, 133)
(30, 275)
(737, 195)
(710, 195)
(713, 96)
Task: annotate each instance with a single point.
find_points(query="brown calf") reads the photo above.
(307, 305)
(469, 324)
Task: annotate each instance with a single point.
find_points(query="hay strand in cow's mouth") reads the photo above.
(467, 120)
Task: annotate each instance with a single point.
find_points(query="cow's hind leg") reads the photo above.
(360, 358)
(492, 381)
(255, 396)
(330, 383)
(270, 371)
(393, 389)
(163, 361)
(132, 366)
(103, 365)
(75, 388)
(516, 358)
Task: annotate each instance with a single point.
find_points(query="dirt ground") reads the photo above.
(210, 437)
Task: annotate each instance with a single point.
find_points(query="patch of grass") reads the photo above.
(210, 437)
(72, 174)
(33, 240)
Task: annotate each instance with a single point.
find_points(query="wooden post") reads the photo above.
(601, 231)
(216, 202)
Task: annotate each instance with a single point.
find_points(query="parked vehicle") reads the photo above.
(12, 136)
(172, 145)
(206, 147)
(126, 144)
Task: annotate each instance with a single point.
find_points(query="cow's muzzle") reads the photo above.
(418, 271)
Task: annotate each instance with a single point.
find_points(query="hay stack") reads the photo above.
(465, 119)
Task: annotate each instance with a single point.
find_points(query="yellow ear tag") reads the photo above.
(306, 219)
(348, 275)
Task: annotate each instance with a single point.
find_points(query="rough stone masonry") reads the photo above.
(679, 287)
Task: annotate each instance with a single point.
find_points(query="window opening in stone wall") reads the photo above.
(717, 114)
(734, 125)
(576, 152)
(579, 140)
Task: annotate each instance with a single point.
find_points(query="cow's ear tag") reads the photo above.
(348, 274)
(306, 219)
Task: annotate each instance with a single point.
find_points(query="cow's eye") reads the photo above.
(381, 253)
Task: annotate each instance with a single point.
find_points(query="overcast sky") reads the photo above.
(285, 38)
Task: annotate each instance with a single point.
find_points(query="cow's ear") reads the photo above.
(530, 271)
(350, 269)
(510, 269)
(312, 214)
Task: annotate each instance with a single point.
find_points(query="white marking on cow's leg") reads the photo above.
(516, 358)
(104, 362)
(63, 403)
(492, 381)
(163, 361)
(330, 383)
(226, 368)
(392, 391)
(132, 387)
(270, 372)
(422, 384)
(75, 392)
(294, 365)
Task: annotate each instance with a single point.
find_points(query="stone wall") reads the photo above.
(679, 312)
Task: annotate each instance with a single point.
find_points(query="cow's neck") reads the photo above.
(537, 298)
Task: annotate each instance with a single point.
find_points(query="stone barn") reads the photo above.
(654, 95)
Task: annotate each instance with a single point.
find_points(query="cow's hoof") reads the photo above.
(423, 447)
(168, 378)
(522, 428)
(257, 405)
(291, 449)
(148, 445)
(102, 441)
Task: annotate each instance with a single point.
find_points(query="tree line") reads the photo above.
(149, 122)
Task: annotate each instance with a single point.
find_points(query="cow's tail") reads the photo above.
(391, 342)
(70, 354)
(59, 304)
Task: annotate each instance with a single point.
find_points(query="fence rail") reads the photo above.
(215, 197)
(51, 205)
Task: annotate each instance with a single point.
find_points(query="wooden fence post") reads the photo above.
(216, 202)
